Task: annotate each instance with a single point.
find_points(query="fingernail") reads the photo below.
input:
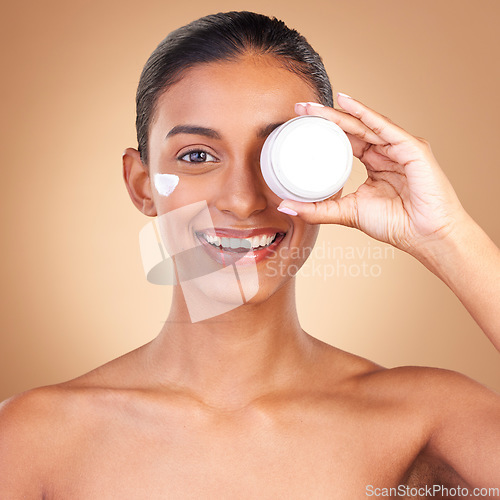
(317, 104)
(287, 210)
(340, 94)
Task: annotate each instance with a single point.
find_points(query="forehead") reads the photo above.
(250, 86)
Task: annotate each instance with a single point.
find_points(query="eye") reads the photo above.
(197, 156)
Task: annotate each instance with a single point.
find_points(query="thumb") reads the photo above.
(332, 211)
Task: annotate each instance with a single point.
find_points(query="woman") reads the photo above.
(237, 401)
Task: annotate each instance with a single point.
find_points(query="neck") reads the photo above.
(231, 359)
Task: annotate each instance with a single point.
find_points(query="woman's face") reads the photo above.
(208, 130)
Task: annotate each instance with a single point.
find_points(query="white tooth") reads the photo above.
(225, 242)
(268, 239)
(255, 241)
(217, 241)
(263, 239)
(246, 242)
(234, 242)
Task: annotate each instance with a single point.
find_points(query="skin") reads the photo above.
(247, 404)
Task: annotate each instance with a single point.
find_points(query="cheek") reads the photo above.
(302, 243)
(305, 234)
(171, 191)
(309, 239)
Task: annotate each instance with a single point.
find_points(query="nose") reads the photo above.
(242, 191)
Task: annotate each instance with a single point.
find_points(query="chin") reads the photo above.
(228, 289)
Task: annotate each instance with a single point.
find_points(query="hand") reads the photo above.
(406, 200)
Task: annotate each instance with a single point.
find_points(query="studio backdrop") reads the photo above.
(73, 290)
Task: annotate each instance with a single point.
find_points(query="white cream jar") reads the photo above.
(308, 158)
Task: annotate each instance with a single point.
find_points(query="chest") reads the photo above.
(302, 455)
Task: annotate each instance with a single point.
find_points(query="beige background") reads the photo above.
(73, 292)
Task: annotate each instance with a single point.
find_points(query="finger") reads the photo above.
(334, 211)
(372, 157)
(416, 153)
(348, 123)
(379, 124)
(359, 146)
(375, 160)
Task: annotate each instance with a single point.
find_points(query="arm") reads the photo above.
(408, 201)
(469, 263)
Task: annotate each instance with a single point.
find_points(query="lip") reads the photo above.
(243, 258)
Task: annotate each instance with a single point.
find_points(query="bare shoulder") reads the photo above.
(28, 416)
(433, 393)
(460, 418)
(41, 429)
(32, 425)
(422, 385)
(443, 401)
(426, 382)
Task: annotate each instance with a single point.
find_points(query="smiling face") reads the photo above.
(207, 135)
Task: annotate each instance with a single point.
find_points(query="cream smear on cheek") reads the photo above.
(166, 183)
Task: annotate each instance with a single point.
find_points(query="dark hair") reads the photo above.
(224, 36)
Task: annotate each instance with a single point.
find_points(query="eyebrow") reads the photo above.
(266, 130)
(194, 130)
(262, 133)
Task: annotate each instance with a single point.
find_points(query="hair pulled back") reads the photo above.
(224, 37)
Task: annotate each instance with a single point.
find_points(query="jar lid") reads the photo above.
(311, 157)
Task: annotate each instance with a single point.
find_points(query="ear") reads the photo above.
(136, 176)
